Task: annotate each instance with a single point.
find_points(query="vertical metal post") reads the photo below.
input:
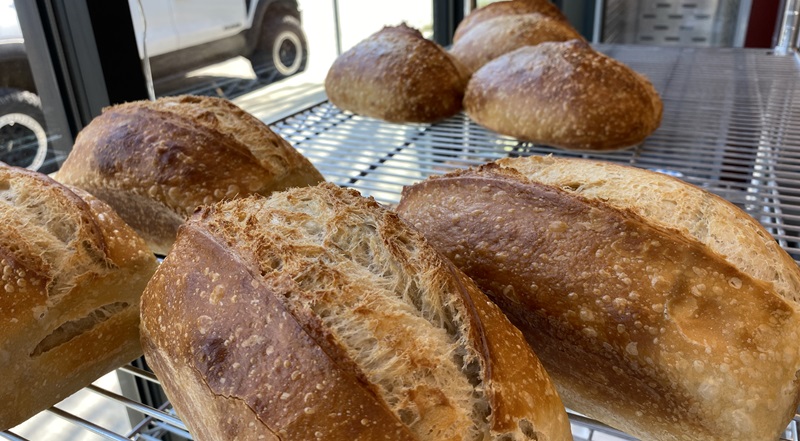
(447, 14)
(86, 77)
(599, 18)
(148, 73)
(745, 6)
(46, 59)
(337, 26)
(789, 27)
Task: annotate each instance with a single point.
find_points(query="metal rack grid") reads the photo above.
(731, 125)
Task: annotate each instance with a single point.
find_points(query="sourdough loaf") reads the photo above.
(316, 314)
(398, 76)
(72, 276)
(656, 307)
(564, 94)
(155, 162)
(496, 36)
(513, 7)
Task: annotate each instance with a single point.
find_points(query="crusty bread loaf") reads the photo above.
(155, 162)
(514, 7)
(72, 275)
(316, 314)
(496, 36)
(398, 76)
(564, 94)
(657, 308)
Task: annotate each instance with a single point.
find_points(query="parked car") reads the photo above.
(181, 36)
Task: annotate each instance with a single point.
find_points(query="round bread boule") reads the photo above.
(515, 7)
(496, 36)
(398, 76)
(564, 94)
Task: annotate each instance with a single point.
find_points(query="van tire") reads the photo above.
(282, 50)
(23, 137)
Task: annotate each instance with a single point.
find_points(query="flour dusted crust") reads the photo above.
(564, 94)
(317, 314)
(505, 8)
(398, 76)
(496, 36)
(156, 162)
(72, 273)
(657, 308)
(671, 203)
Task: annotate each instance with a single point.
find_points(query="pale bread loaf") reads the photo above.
(398, 76)
(317, 314)
(155, 162)
(657, 308)
(564, 94)
(72, 275)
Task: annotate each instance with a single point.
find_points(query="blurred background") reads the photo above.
(60, 65)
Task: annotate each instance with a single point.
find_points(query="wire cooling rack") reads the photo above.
(731, 125)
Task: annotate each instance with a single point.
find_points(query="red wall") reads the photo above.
(763, 20)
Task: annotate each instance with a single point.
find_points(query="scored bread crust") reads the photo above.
(564, 94)
(72, 273)
(640, 324)
(514, 7)
(398, 76)
(496, 36)
(316, 314)
(670, 203)
(155, 162)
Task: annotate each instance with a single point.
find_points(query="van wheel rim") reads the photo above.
(30, 123)
(287, 53)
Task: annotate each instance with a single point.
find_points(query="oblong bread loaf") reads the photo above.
(514, 7)
(398, 76)
(72, 275)
(155, 162)
(502, 34)
(657, 308)
(564, 94)
(317, 314)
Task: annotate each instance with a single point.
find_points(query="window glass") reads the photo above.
(267, 56)
(361, 18)
(24, 137)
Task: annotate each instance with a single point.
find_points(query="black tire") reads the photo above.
(23, 137)
(282, 50)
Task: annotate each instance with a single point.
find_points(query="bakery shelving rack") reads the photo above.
(731, 125)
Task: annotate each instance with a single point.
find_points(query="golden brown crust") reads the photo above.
(668, 202)
(317, 311)
(564, 95)
(640, 325)
(515, 7)
(155, 162)
(496, 36)
(72, 273)
(292, 390)
(397, 75)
